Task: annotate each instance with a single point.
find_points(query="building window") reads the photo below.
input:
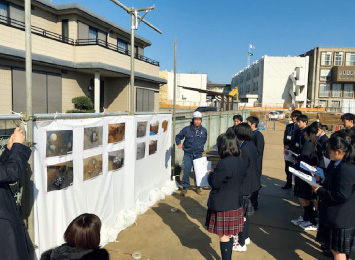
(323, 103)
(336, 90)
(348, 90)
(65, 30)
(324, 90)
(336, 103)
(326, 58)
(92, 34)
(350, 59)
(325, 74)
(338, 58)
(122, 45)
(3, 13)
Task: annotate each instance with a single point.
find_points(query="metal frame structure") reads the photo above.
(135, 21)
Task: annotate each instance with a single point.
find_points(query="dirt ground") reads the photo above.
(161, 234)
(324, 117)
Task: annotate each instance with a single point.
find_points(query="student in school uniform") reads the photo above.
(322, 140)
(289, 136)
(348, 120)
(298, 140)
(225, 215)
(337, 200)
(237, 119)
(258, 140)
(251, 181)
(310, 154)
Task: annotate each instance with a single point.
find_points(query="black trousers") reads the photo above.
(288, 173)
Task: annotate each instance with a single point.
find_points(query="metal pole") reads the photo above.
(132, 87)
(28, 187)
(174, 114)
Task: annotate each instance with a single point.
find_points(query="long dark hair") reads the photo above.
(312, 131)
(336, 142)
(243, 132)
(228, 145)
(84, 232)
(347, 134)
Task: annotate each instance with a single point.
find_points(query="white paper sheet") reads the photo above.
(326, 161)
(202, 167)
(290, 156)
(307, 178)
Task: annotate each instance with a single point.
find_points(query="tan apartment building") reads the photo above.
(75, 52)
(331, 79)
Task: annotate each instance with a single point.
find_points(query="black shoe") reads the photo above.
(183, 192)
(287, 187)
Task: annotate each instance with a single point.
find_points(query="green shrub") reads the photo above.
(82, 104)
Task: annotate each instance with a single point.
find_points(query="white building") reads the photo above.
(274, 82)
(184, 97)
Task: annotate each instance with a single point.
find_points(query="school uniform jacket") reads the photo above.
(289, 133)
(323, 143)
(259, 142)
(337, 197)
(310, 155)
(251, 181)
(226, 182)
(14, 240)
(298, 141)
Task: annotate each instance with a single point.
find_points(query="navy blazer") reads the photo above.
(251, 181)
(15, 245)
(289, 133)
(259, 142)
(226, 182)
(337, 197)
(298, 141)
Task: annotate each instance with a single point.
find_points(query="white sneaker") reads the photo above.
(240, 248)
(308, 226)
(247, 241)
(298, 221)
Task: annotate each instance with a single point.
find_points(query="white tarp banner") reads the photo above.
(115, 167)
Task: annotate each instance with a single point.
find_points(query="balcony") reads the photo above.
(343, 74)
(35, 30)
(114, 47)
(43, 45)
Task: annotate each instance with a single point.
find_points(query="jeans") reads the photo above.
(186, 166)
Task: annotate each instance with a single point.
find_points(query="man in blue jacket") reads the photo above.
(195, 136)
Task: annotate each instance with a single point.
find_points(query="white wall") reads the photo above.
(277, 82)
(198, 81)
(272, 83)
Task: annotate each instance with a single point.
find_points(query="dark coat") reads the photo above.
(337, 197)
(298, 141)
(195, 139)
(71, 253)
(226, 183)
(310, 154)
(289, 133)
(259, 142)
(251, 181)
(14, 240)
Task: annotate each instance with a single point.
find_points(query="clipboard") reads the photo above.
(309, 179)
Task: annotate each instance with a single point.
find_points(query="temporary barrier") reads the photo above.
(115, 167)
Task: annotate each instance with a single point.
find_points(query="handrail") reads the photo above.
(35, 30)
(114, 47)
(79, 42)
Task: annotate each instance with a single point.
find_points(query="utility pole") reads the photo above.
(135, 21)
(28, 183)
(174, 113)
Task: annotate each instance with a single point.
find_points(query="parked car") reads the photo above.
(206, 109)
(274, 115)
(281, 114)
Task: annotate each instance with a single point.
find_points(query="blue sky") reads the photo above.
(213, 35)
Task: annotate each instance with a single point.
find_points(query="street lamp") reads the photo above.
(135, 21)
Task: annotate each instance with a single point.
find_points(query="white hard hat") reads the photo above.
(197, 114)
